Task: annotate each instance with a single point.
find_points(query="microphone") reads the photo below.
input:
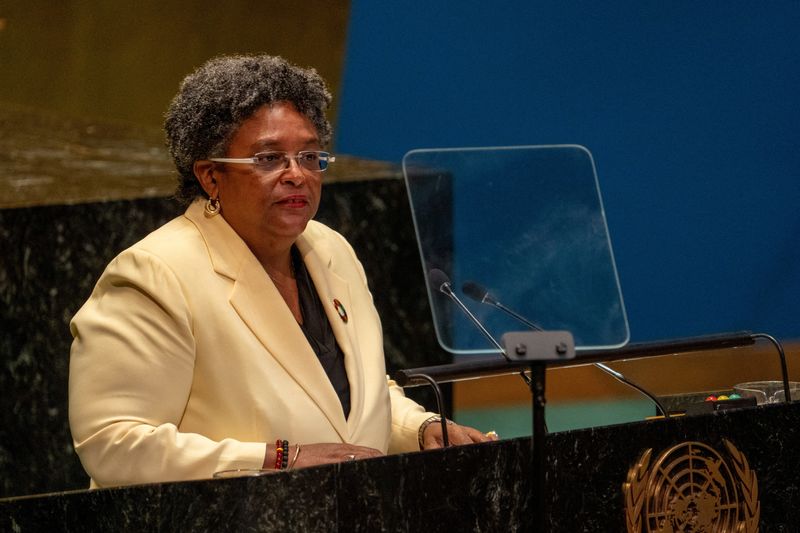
(480, 294)
(441, 282)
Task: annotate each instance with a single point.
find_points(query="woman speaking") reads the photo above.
(242, 334)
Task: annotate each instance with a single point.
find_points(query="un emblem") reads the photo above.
(692, 488)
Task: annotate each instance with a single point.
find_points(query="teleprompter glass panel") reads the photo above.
(522, 227)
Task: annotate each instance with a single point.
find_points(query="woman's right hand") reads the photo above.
(320, 454)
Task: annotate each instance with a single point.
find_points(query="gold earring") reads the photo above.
(212, 208)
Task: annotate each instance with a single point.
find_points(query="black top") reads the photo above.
(319, 333)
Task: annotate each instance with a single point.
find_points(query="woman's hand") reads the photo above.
(457, 435)
(321, 454)
(324, 453)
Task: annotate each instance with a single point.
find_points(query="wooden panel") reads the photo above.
(124, 61)
(659, 375)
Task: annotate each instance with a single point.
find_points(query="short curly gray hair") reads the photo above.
(215, 99)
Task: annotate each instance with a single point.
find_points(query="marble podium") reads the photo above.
(485, 487)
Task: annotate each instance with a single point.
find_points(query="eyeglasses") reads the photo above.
(271, 161)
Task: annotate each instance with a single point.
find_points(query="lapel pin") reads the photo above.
(341, 310)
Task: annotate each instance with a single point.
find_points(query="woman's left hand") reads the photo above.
(457, 435)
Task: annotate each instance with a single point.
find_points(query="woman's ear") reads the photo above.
(204, 172)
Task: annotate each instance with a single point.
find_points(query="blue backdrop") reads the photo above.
(690, 109)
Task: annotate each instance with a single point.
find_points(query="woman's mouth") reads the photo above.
(293, 201)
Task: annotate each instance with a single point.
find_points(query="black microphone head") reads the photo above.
(479, 293)
(474, 291)
(438, 279)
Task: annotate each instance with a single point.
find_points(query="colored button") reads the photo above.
(340, 310)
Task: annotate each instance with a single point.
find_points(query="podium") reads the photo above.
(482, 487)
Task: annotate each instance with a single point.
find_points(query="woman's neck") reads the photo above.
(279, 266)
(280, 269)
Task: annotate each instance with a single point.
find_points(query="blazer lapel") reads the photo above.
(333, 289)
(260, 306)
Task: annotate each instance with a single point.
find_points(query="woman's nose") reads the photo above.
(293, 172)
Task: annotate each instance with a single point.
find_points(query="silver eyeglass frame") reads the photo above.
(323, 156)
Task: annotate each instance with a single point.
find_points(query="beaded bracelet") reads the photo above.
(281, 454)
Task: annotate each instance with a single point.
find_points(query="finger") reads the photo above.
(466, 435)
(371, 451)
(432, 441)
(354, 453)
(456, 436)
(474, 435)
(365, 451)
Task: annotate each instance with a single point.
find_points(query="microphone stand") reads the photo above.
(536, 349)
(481, 295)
(437, 393)
(538, 442)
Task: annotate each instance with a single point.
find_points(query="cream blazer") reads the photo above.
(186, 360)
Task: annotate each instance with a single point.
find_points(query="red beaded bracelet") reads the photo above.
(281, 454)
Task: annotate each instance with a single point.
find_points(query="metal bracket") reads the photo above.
(539, 345)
